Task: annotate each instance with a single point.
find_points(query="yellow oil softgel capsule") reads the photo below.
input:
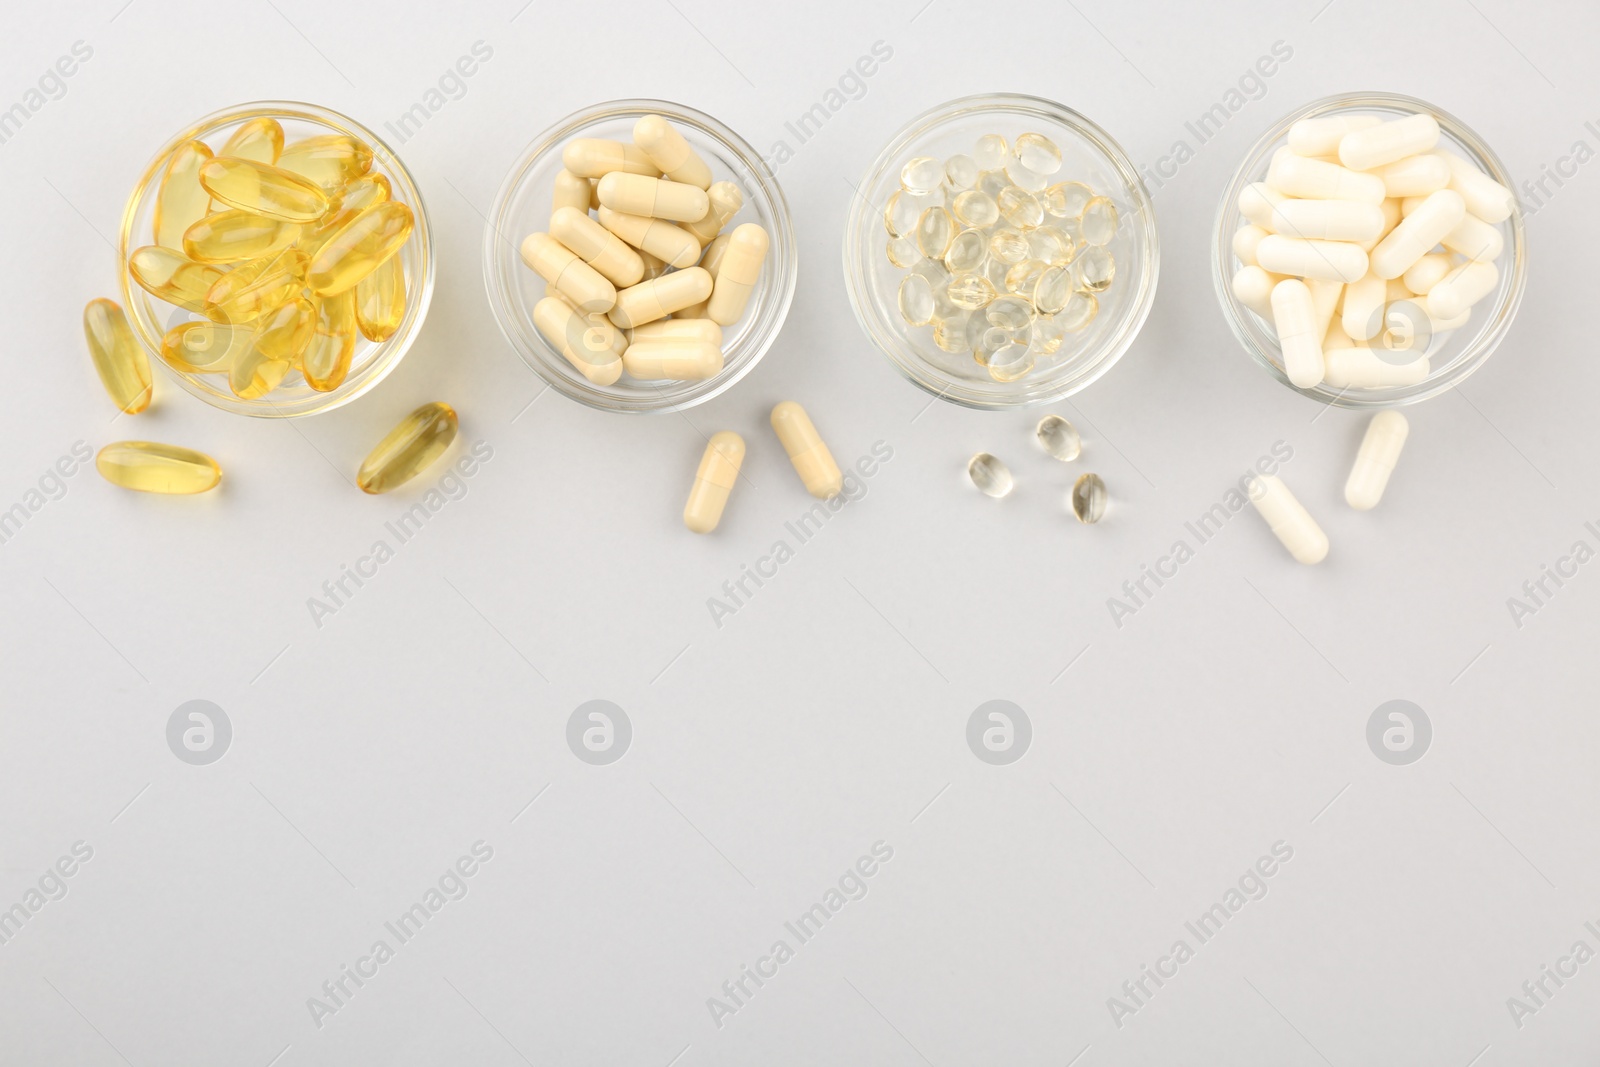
(358, 249)
(810, 456)
(674, 245)
(204, 347)
(284, 334)
(408, 449)
(672, 359)
(263, 189)
(660, 297)
(719, 469)
(590, 157)
(565, 273)
(123, 367)
(255, 374)
(250, 291)
(737, 274)
(592, 345)
(597, 246)
(366, 191)
(180, 199)
(381, 300)
(259, 140)
(669, 151)
(173, 276)
(148, 467)
(328, 160)
(326, 360)
(234, 236)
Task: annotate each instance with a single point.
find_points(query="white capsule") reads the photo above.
(1380, 450)
(1289, 521)
(1417, 233)
(1253, 287)
(1333, 260)
(1485, 197)
(1391, 218)
(1245, 241)
(1474, 239)
(669, 151)
(1321, 136)
(1363, 307)
(1294, 316)
(1256, 202)
(1360, 367)
(1313, 179)
(1409, 204)
(1427, 272)
(1388, 142)
(1334, 339)
(1328, 220)
(1325, 298)
(1461, 288)
(1414, 175)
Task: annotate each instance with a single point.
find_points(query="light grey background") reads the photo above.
(830, 712)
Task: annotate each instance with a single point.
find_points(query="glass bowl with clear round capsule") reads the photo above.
(1406, 335)
(370, 360)
(523, 206)
(1001, 250)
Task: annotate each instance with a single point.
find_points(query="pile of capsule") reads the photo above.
(1003, 263)
(1366, 244)
(1059, 439)
(658, 250)
(287, 252)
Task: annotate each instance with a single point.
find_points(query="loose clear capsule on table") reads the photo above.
(1089, 498)
(990, 475)
(1059, 438)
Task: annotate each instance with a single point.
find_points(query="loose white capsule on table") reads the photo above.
(1380, 450)
(1417, 233)
(597, 246)
(737, 273)
(1288, 519)
(660, 297)
(672, 358)
(655, 198)
(1298, 176)
(671, 244)
(1338, 261)
(1294, 317)
(713, 481)
(590, 157)
(806, 450)
(564, 271)
(670, 152)
(1387, 142)
(592, 346)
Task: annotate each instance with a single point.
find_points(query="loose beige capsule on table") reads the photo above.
(408, 449)
(1288, 519)
(591, 157)
(672, 359)
(713, 481)
(670, 152)
(593, 346)
(150, 467)
(597, 246)
(737, 273)
(563, 270)
(807, 451)
(655, 198)
(672, 244)
(119, 359)
(1380, 451)
(660, 297)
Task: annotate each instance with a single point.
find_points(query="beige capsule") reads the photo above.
(672, 359)
(807, 451)
(669, 151)
(712, 262)
(597, 246)
(686, 329)
(726, 200)
(672, 244)
(637, 194)
(713, 481)
(592, 345)
(571, 191)
(656, 299)
(737, 273)
(563, 270)
(592, 157)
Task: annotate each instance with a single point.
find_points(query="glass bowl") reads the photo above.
(1089, 155)
(522, 206)
(372, 361)
(1452, 355)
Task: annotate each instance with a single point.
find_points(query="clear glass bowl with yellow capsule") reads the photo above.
(1002, 251)
(153, 319)
(1408, 334)
(523, 206)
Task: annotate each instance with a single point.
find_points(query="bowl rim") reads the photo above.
(782, 266)
(418, 297)
(1489, 336)
(862, 217)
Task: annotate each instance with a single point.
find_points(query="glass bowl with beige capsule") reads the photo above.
(1380, 345)
(543, 207)
(276, 259)
(1001, 251)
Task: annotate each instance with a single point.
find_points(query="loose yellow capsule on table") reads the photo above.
(263, 189)
(719, 468)
(148, 467)
(591, 157)
(180, 199)
(381, 300)
(810, 456)
(204, 347)
(567, 274)
(669, 151)
(233, 236)
(358, 249)
(250, 291)
(259, 140)
(284, 334)
(123, 367)
(329, 160)
(660, 297)
(366, 191)
(326, 361)
(408, 449)
(737, 274)
(636, 194)
(671, 244)
(597, 246)
(672, 359)
(593, 346)
(173, 277)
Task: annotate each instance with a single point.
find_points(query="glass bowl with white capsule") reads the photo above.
(1422, 356)
(1002, 251)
